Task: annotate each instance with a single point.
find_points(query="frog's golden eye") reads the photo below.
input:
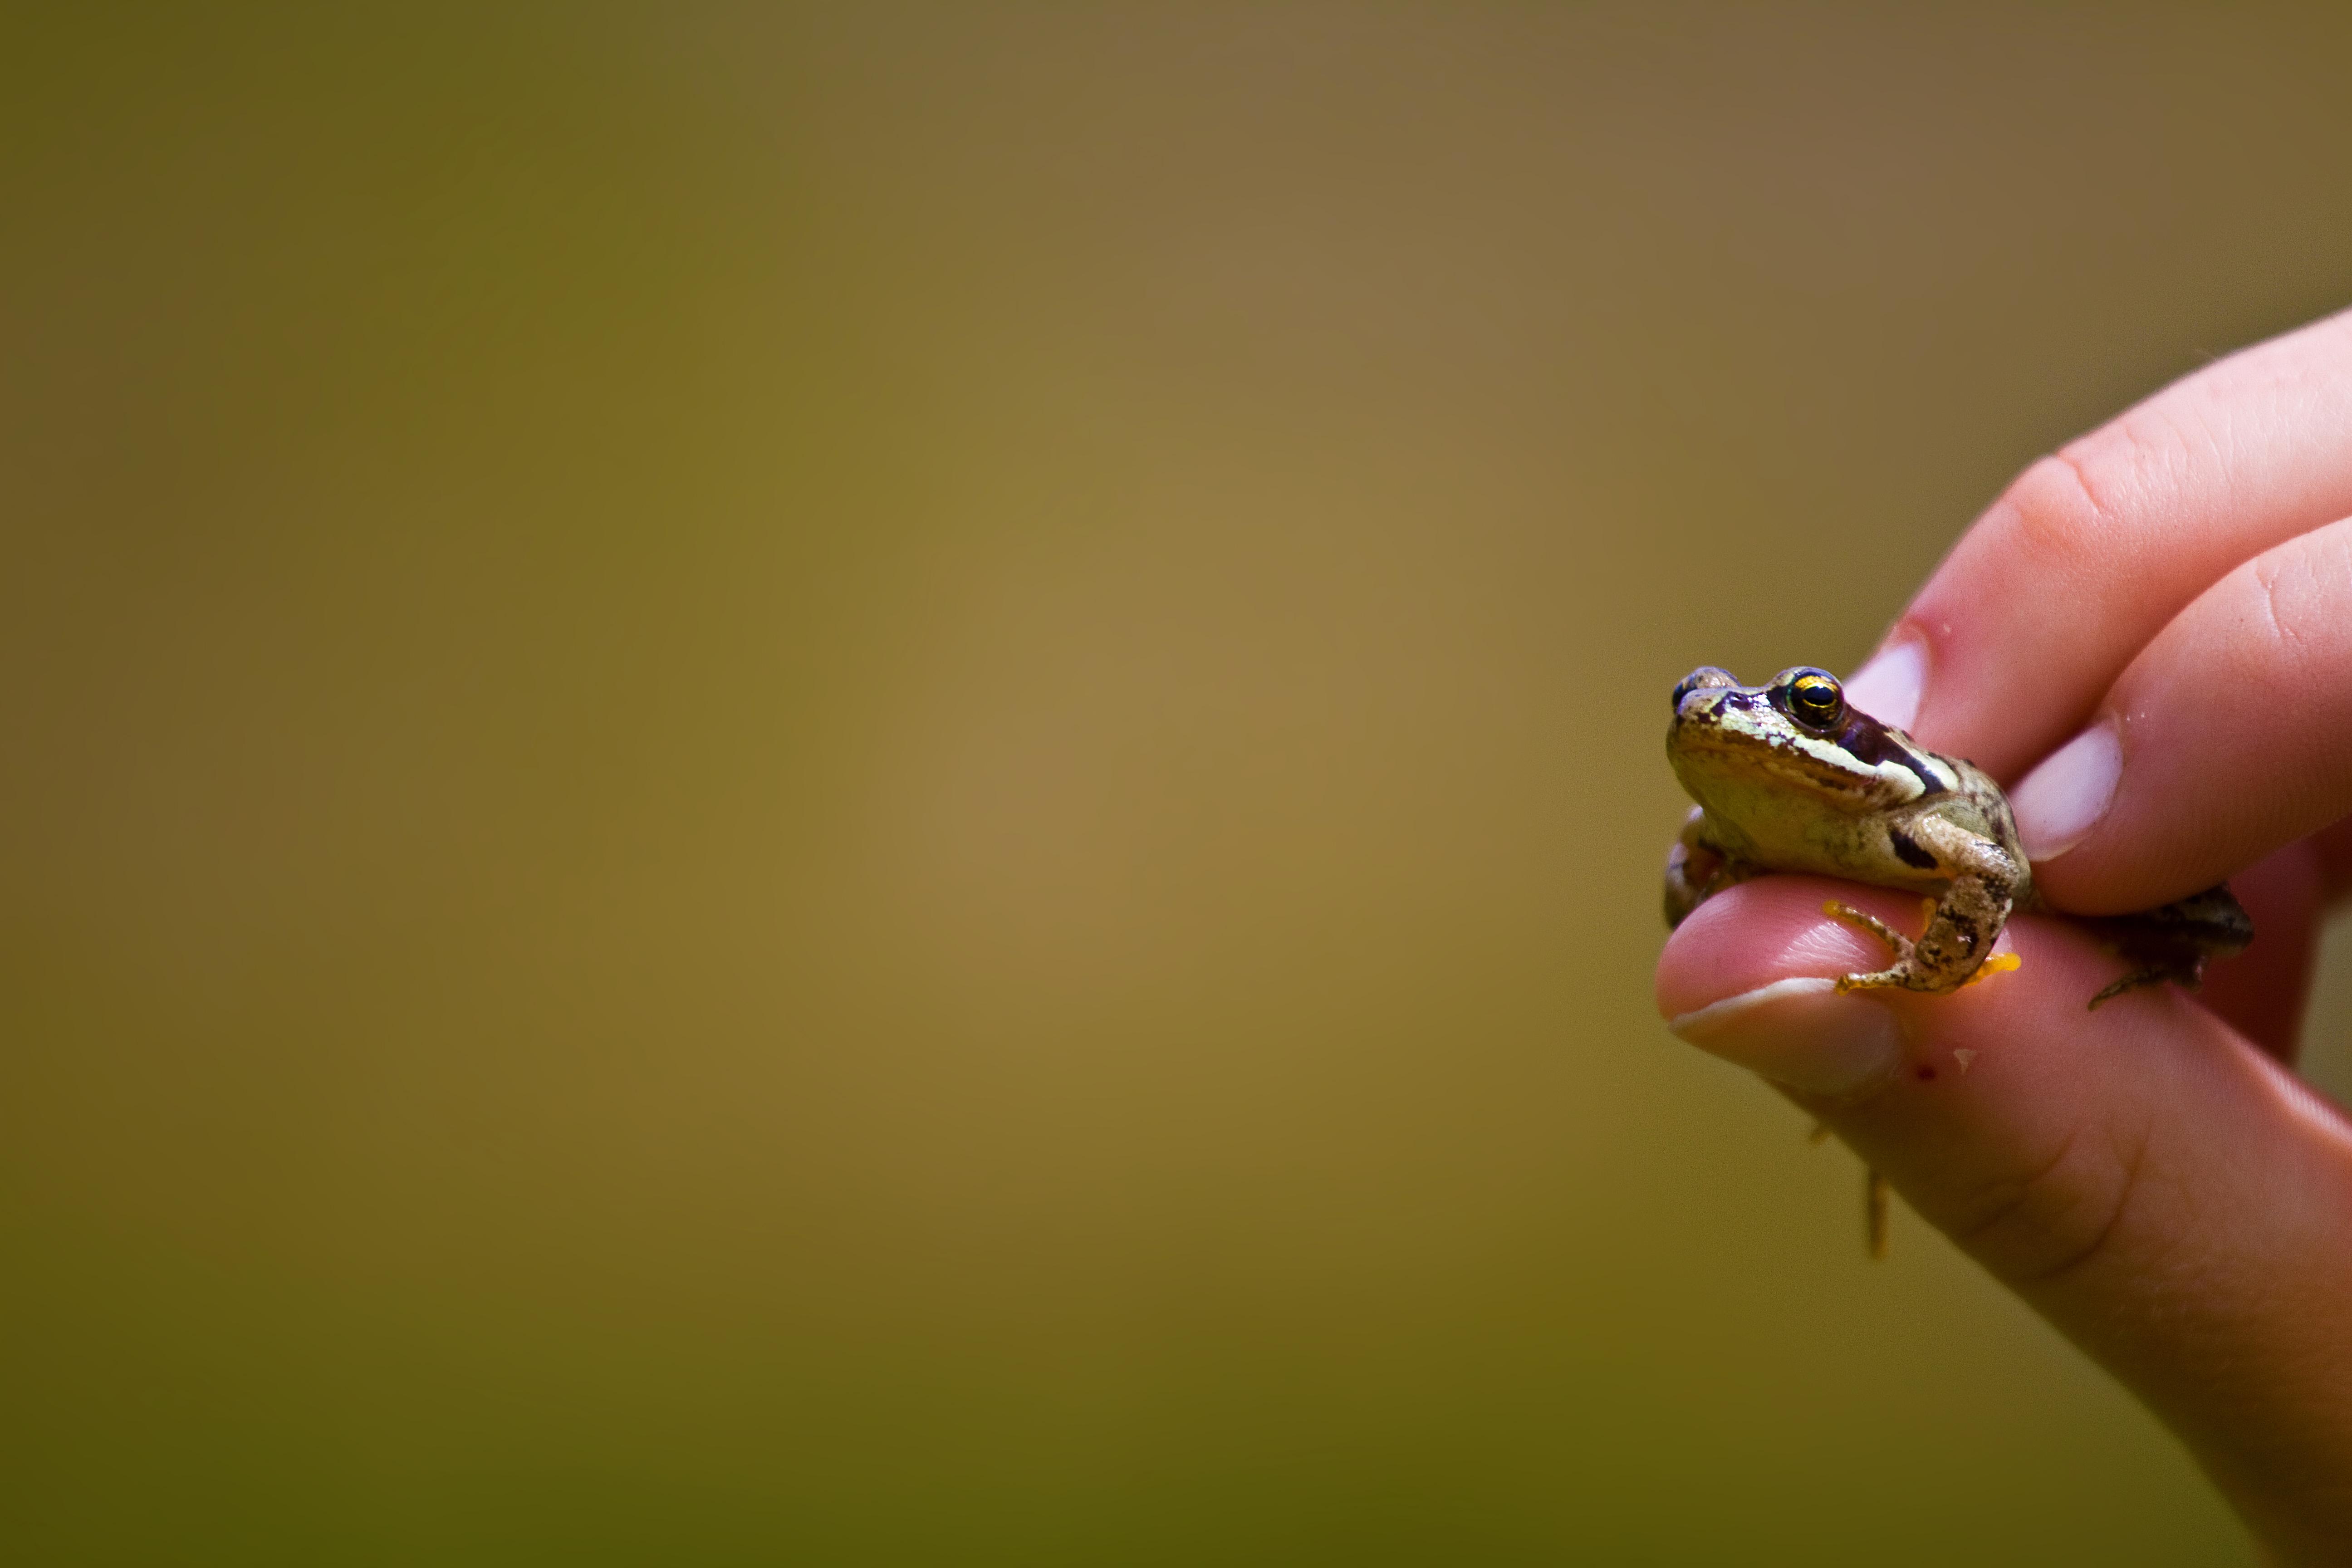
(1815, 700)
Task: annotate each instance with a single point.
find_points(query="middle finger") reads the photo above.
(2229, 736)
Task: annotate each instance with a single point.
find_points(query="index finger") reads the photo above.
(2090, 551)
(2142, 1176)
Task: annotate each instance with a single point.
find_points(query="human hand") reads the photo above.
(2149, 638)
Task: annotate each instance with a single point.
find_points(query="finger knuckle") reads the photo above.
(2054, 515)
(2296, 595)
(2038, 1227)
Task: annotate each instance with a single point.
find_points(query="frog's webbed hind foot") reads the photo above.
(2187, 979)
(2175, 941)
(1896, 975)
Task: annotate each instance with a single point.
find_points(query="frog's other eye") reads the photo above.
(1704, 676)
(1815, 700)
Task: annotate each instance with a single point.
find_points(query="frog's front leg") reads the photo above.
(1963, 924)
(1698, 869)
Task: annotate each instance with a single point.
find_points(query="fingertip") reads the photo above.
(2063, 800)
(1758, 933)
(1751, 977)
(1891, 686)
(1802, 1033)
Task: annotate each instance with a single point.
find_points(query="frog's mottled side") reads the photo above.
(1789, 777)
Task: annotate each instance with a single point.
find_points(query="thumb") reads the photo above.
(2164, 1193)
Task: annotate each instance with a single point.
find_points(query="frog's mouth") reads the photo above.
(1732, 756)
(1705, 745)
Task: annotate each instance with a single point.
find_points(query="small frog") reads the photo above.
(1790, 777)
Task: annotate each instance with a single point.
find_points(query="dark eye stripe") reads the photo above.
(1867, 738)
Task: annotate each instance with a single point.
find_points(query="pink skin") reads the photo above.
(2149, 1177)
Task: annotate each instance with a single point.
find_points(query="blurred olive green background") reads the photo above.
(883, 786)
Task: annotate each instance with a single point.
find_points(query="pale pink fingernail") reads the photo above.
(1800, 1033)
(1889, 687)
(2059, 802)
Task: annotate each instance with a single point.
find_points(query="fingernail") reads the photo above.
(1889, 687)
(2059, 802)
(1800, 1033)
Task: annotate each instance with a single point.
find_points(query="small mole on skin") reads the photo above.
(1925, 1075)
